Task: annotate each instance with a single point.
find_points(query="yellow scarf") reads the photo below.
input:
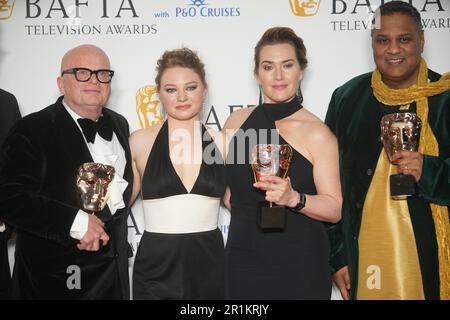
(428, 145)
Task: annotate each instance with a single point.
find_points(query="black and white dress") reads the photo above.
(181, 253)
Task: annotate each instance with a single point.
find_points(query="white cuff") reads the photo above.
(79, 225)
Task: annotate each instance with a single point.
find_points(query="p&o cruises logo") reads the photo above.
(6, 8)
(304, 8)
(201, 8)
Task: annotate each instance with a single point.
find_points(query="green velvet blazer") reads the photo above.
(354, 116)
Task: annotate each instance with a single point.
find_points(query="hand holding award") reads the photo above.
(271, 160)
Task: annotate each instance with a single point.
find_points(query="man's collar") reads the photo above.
(72, 113)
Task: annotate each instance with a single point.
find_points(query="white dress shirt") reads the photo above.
(106, 152)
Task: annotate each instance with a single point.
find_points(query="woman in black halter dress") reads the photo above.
(181, 253)
(171, 264)
(291, 263)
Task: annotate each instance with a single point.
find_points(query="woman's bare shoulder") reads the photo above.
(143, 139)
(237, 118)
(145, 133)
(306, 124)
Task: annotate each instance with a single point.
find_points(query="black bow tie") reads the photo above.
(90, 128)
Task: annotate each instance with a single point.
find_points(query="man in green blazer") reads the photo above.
(385, 248)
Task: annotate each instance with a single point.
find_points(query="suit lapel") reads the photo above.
(70, 136)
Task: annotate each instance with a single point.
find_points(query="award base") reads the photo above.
(402, 186)
(271, 219)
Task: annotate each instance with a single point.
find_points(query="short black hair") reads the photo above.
(402, 7)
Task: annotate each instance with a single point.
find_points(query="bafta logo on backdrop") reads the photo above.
(6, 8)
(305, 8)
(148, 107)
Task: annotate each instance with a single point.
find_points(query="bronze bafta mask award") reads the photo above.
(93, 181)
(400, 131)
(271, 160)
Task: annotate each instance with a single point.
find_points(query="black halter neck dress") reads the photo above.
(181, 253)
(292, 264)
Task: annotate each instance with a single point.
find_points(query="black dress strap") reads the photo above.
(160, 179)
(278, 111)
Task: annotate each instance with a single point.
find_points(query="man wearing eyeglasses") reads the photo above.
(63, 251)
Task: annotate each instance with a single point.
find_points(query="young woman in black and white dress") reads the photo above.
(179, 170)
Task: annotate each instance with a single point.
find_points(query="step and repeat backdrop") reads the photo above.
(34, 35)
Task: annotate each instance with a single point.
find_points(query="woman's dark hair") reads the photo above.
(279, 35)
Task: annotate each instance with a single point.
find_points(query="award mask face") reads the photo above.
(271, 160)
(400, 131)
(6, 8)
(93, 181)
(148, 106)
(304, 8)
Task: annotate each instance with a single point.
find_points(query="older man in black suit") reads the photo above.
(9, 114)
(63, 252)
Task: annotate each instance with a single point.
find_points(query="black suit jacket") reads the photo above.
(38, 196)
(9, 114)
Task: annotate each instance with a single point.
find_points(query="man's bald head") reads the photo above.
(86, 98)
(71, 58)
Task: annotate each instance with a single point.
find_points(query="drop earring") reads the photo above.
(299, 94)
(260, 95)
